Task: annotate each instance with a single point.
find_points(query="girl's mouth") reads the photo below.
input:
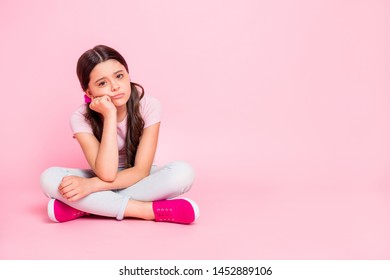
(118, 96)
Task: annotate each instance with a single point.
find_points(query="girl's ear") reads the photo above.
(88, 93)
(88, 96)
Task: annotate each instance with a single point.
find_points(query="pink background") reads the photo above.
(281, 106)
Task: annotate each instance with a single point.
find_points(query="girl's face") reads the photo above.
(110, 78)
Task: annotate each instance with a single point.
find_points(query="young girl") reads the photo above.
(117, 130)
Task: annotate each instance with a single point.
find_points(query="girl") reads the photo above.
(117, 130)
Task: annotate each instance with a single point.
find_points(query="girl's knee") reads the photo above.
(50, 180)
(183, 174)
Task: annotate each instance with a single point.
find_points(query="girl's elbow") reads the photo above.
(107, 176)
(109, 179)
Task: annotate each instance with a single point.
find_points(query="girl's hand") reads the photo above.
(74, 188)
(103, 105)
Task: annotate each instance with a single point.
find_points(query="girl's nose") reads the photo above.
(114, 87)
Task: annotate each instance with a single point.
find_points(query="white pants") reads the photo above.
(168, 181)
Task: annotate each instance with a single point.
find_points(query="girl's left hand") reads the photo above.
(103, 105)
(74, 188)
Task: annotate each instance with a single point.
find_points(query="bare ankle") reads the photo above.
(139, 209)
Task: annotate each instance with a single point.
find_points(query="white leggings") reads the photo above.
(168, 181)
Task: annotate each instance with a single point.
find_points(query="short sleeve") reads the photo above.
(150, 110)
(78, 123)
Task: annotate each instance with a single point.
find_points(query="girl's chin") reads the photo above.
(119, 101)
(120, 104)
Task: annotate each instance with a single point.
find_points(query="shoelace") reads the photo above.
(165, 214)
(79, 213)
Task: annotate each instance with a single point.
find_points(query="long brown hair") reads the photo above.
(135, 123)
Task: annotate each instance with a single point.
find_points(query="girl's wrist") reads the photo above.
(96, 184)
(110, 116)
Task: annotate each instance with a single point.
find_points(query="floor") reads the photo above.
(253, 219)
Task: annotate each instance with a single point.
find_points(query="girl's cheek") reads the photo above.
(101, 92)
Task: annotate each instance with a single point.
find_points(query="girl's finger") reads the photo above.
(65, 184)
(74, 198)
(64, 191)
(70, 194)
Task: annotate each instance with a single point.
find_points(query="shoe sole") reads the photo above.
(195, 207)
(50, 210)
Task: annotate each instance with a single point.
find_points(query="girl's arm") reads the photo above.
(73, 187)
(102, 157)
(142, 165)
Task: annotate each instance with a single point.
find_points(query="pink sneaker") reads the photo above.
(177, 210)
(60, 212)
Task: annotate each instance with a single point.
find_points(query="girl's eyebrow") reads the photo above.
(102, 78)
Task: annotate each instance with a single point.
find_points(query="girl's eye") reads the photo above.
(119, 76)
(101, 84)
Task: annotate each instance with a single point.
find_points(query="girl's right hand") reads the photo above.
(103, 105)
(74, 188)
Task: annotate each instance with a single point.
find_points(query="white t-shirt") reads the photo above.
(150, 109)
